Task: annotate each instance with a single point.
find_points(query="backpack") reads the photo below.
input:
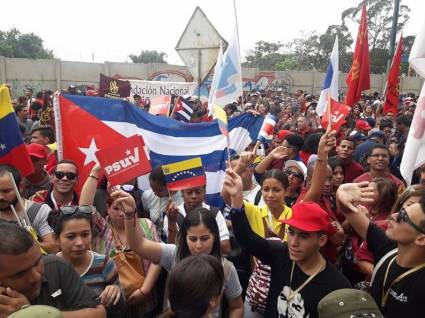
(257, 197)
(33, 210)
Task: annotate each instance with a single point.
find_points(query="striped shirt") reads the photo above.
(100, 273)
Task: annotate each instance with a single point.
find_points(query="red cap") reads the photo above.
(309, 217)
(37, 150)
(282, 134)
(363, 125)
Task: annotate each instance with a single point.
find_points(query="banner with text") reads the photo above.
(158, 88)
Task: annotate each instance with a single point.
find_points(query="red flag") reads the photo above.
(160, 105)
(12, 147)
(338, 112)
(81, 144)
(393, 81)
(124, 160)
(358, 78)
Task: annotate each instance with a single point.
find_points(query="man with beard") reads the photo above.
(37, 214)
(378, 160)
(65, 178)
(29, 278)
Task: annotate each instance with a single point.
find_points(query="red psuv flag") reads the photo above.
(125, 160)
(338, 113)
(358, 79)
(392, 89)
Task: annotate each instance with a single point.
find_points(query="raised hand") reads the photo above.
(351, 195)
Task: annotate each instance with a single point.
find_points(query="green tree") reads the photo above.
(265, 56)
(148, 56)
(28, 45)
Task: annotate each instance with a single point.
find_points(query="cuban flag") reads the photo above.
(330, 84)
(266, 132)
(229, 83)
(183, 110)
(102, 121)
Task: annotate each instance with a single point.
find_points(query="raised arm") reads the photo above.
(135, 237)
(245, 160)
(276, 154)
(326, 144)
(89, 188)
(350, 197)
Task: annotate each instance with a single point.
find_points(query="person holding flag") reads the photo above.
(188, 176)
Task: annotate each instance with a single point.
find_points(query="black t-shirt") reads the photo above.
(407, 297)
(63, 288)
(276, 254)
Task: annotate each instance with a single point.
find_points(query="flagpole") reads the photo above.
(237, 28)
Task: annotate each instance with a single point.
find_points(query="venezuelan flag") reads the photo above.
(184, 174)
(12, 147)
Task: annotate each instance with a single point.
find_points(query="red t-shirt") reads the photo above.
(352, 170)
(367, 177)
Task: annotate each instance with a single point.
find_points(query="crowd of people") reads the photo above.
(318, 223)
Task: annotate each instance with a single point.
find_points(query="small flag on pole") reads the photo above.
(184, 174)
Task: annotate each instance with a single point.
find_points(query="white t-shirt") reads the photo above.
(156, 205)
(250, 195)
(221, 222)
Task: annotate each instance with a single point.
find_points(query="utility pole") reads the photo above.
(393, 34)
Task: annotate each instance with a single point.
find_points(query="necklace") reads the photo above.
(292, 293)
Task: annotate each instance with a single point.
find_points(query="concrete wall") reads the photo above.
(55, 74)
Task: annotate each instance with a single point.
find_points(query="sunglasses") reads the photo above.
(69, 175)
(288, 172)
(72, 209)
(402, 216)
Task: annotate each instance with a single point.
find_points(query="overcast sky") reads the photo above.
(84, 30)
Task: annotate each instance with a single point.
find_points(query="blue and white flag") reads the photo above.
(330, 84)
(229, 83)
(214, 84)
(167, 140)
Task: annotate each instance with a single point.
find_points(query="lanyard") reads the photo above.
(385, 293)
(308, 280)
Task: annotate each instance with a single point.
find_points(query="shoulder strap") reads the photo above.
(257, 197)
(381, 261)
(33, 210)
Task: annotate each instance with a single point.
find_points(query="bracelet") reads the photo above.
(94, 177)
(321, 159)
(171, 230)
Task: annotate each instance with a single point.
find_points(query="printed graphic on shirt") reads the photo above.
(294, 308)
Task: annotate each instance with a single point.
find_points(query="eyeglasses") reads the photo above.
(402, 216)
(69, 175)
(72, 209)
(288, 172)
